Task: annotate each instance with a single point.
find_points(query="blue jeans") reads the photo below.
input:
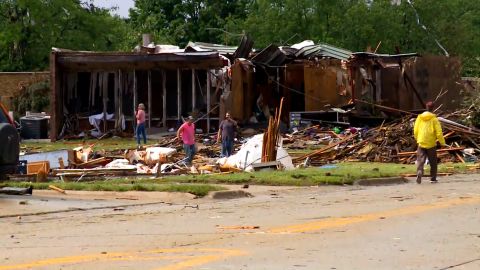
(141, 131)
(189, 152)
(227, 147)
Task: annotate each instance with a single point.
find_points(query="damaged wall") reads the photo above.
(432, 74)
(381, 80)
(241, 98)
(326, 85)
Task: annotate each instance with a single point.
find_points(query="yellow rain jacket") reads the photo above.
(427, 130)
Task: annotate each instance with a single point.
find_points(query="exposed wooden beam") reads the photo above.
(194, 92)
(179, 94)
(149, 98)
(134, 98)
(164, 98)
(78, 60)
(56, 98)
(208, 101)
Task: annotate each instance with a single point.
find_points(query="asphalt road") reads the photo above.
(408, 226)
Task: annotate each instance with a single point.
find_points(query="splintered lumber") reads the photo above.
(327, 148)
(92, 163)
(272, 136)
(459, 158)
(92, 172)
(438, 151)
(56, 189)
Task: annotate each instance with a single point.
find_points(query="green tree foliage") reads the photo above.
(181, 21)
(30, 28)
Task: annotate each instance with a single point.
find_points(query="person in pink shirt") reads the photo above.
(186, 133)
(140, 115)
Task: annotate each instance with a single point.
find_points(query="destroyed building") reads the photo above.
(207, 80)
(404, 81)
(105, 88)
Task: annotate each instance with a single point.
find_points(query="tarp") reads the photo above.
(251, 153)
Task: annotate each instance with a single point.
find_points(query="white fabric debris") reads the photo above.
(120, 164)
(96, 119)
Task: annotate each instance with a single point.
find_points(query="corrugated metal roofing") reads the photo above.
(271, 56)
(202, 46)
(323, 50)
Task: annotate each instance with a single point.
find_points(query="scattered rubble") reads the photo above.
(315, 145)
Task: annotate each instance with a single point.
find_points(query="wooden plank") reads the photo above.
(194, 92)
(134, 99)
(208, 100)
(164, 98)
(438, 151)
(104, 100)
(115, 99)
(330, 146)
(459, 157)
(56, 98)
(56, 189)
(149, 99)
(179, 94)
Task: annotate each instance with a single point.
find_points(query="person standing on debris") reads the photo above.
(140, 115)
(226, 135)
(186, 133)
(427, 131)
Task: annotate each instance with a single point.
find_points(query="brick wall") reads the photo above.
(10, 83)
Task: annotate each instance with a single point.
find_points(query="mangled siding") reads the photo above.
(407, 83)
(432, 74)
(240, 100)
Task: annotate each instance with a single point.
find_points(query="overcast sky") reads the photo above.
(123, 5)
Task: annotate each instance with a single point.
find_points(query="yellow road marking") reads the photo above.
(201, 260)
(185, 260)
(211, 255)
(343, 221)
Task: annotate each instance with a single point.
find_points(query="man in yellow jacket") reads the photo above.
(427, 132)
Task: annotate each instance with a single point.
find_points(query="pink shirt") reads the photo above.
(188, 133)
(140, 116)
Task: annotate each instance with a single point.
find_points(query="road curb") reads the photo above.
(229, 194)
(381, 181)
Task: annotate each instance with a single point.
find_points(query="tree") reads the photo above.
(180, 21)
(30, 28)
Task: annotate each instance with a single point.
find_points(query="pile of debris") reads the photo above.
(393, 142)
(317, 145)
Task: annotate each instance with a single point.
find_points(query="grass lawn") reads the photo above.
(200, 185)
(337, 174)
(199, 190)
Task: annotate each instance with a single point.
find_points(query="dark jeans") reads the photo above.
(189, 152)
(141, 131)
(422, 155)
(227, 147)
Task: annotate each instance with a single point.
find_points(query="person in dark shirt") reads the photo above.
(226, 134)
